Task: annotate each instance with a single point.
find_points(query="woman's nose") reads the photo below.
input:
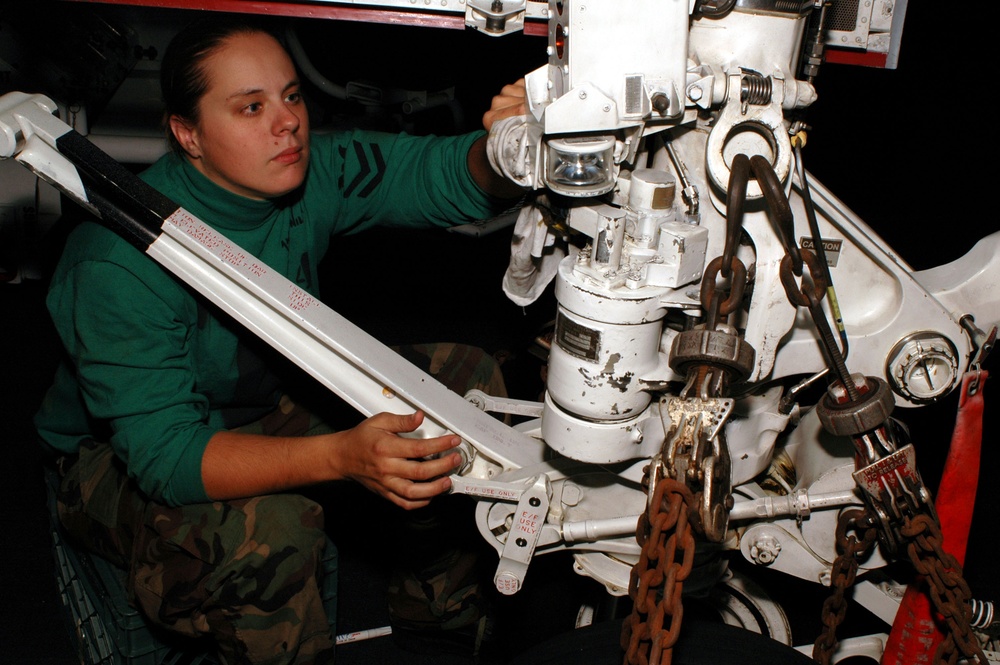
(287, 119)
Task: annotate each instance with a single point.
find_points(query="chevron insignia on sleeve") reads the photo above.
(372, 169)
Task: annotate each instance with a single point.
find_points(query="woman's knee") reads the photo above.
(289, 519)
(237, 554)
(281, 534)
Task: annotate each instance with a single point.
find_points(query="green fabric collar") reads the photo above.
(222, 208)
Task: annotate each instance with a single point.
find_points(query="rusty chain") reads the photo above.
(948, 589)
(665, 532)
(666, 539)
(680, 481)
(913, 526)
(851, 551)
(715, 306)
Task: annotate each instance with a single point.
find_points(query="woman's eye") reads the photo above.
(251, 109)
(294, 98)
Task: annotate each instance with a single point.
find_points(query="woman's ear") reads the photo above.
(186, 136)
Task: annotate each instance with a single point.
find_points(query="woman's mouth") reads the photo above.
(289, 156)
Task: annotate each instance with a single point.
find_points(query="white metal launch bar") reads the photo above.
(344, 358)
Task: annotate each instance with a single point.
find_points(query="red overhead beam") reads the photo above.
(862, 58)
(320, 10)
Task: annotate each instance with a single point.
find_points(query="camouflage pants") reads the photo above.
(244, 572)
(459, 367)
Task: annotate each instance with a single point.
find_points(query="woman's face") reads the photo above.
(252, 136)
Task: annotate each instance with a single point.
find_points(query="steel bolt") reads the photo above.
(765, 549)
(571, 494)
(507, 583)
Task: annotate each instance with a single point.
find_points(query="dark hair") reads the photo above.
(182, 73)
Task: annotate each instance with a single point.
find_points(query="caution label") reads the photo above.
(831, 248)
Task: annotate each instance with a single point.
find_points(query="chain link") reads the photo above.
(672, 513)
(948, 589)
(851, 551)
(666, 539)
(717, 308)
(682, 484)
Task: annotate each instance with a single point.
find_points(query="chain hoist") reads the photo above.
(859, 408)
(689, 482)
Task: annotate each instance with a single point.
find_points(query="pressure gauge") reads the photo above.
(923, 367)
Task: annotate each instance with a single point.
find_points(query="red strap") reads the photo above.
(915, 636)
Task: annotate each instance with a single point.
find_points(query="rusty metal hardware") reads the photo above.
(689, 482)
(947, 588)
(852, 550)
(666, 536)
(899, 512)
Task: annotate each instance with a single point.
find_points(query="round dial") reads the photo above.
(923, 367)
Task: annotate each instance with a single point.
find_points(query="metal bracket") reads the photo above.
(709, 414)
(517, 407)
(523, 536)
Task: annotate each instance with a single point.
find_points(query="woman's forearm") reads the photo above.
(407, 471)
(489, 180)
(236, 464)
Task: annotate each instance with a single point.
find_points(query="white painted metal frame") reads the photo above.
(364, 372)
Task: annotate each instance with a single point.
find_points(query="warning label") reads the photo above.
(831, 248)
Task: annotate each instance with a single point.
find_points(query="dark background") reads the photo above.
(907, 149)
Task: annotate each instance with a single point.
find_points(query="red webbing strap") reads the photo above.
(915, 636)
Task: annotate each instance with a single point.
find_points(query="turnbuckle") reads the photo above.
(887, 475)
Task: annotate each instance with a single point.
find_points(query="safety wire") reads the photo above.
(798, 142)
(799, 138)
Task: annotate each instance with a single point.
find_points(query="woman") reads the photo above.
(175, 441)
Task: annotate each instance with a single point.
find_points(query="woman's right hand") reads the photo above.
(392, 466)
(510, 101)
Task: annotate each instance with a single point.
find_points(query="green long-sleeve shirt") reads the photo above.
(155, 369)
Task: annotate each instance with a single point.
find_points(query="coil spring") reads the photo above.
(982, 614)
(755, 88)
(790, 6)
